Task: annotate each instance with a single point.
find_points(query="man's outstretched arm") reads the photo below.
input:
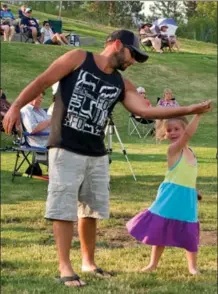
(135, 104)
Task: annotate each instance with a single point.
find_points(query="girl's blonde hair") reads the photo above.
(162, 125)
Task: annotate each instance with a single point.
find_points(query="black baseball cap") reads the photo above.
(130, 40)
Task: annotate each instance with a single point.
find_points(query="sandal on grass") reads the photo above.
(100, 273)
(64, 280)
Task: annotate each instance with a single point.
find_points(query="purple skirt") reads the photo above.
(152, 229)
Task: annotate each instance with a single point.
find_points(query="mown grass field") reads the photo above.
(29, 262)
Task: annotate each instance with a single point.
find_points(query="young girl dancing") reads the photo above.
(172, 219)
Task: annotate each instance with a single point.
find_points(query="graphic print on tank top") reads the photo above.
(91, 101)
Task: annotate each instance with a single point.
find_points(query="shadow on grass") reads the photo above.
(139, 157)
(122, 187)
(40, 278)
(118, 156)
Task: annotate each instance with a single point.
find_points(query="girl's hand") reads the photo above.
(199, 195)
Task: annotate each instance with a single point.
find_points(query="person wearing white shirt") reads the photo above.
(35, 119)
(48, 37)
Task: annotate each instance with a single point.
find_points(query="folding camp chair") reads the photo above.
(24, 151)
(140, 126)
(56, 25)
(26, 36)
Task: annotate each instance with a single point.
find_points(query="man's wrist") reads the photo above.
(16, 105)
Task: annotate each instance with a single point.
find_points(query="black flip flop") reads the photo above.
(63, 280)
(100, 273)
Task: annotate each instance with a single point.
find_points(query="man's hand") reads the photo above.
(11, 118)
(200, 108)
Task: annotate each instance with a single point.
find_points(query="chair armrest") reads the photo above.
(26, 134)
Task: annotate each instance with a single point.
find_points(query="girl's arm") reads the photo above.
(42, 37)
(190, 130)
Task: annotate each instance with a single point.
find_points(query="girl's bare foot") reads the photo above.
(194, 271)
(149, 268)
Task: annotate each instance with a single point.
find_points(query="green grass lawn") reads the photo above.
(29, 262)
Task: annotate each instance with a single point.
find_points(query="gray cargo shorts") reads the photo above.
(78, 186)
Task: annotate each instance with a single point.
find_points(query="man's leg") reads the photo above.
(65, 173)
(93, 205)
(34, 34)
(63, 232)
(87, 232)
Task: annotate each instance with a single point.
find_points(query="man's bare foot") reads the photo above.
(194, 271)
(149, 268)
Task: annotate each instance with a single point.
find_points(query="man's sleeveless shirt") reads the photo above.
(85, 98)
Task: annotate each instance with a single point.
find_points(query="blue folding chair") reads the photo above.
(24, 151)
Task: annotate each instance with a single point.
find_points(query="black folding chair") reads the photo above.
(140, 126)
(26, 35)
(24, 151)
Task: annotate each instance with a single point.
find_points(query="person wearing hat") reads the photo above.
(149, 38)
(30, 25)
(90, 87)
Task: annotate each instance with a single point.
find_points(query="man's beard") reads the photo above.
(120, 60)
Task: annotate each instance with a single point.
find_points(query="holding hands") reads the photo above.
(201, 108)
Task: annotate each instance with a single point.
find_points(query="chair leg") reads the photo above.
(33, 162)
(16, 166)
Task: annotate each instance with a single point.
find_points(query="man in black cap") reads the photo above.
(90, 86)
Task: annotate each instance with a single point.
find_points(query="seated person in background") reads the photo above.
(2, 95)
(54, 91)
(142, 92)
(4, 106)
(148, 37)
(167, 100)
(21, 11)
(30, 24)
(7, 23)
(170, 40)
(48, 37)
(35, 120)
(7, 15)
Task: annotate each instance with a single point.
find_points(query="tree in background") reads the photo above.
(190, 8)
(202, 25)
(114, 13)
(169, 9)
(207, 9)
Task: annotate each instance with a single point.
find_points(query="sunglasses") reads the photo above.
(132, 52)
